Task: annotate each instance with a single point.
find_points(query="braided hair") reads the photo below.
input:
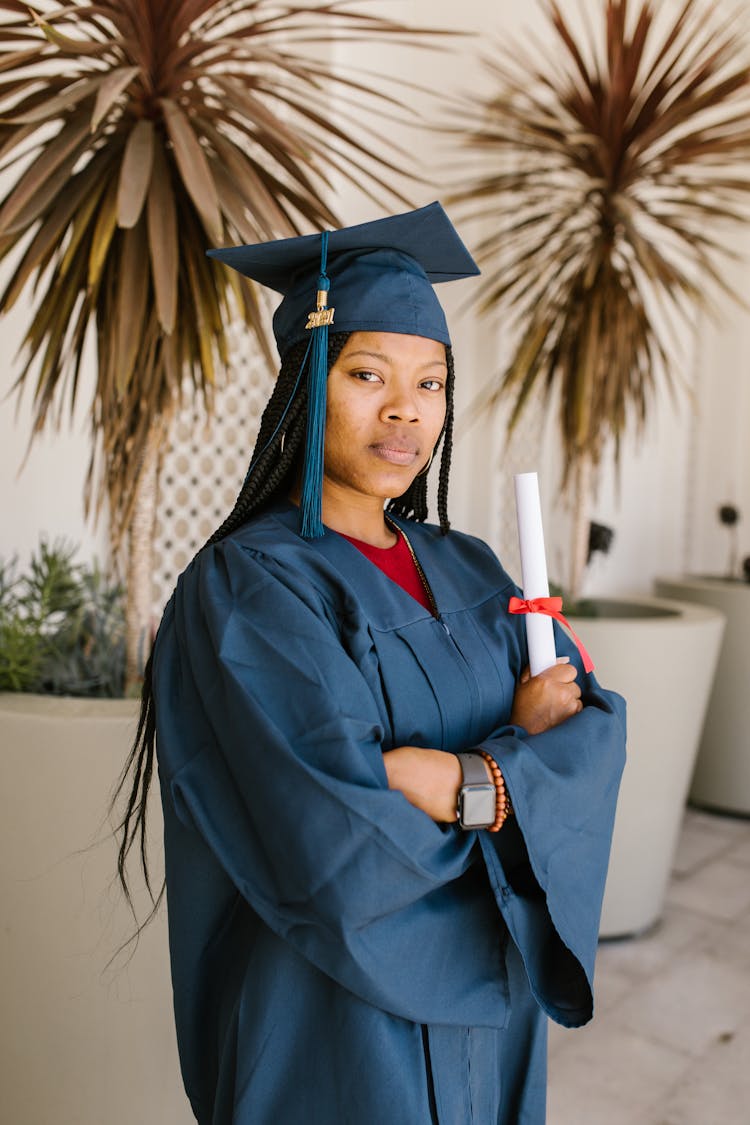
(273, 470)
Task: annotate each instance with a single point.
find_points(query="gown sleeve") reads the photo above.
(270, 749)
(548, 864)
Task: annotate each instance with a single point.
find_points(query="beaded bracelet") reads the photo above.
(503, 807)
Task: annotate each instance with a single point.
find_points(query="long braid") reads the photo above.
(445, 460)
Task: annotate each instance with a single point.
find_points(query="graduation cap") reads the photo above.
(372, 277)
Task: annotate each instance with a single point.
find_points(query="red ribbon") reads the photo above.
(551, 607)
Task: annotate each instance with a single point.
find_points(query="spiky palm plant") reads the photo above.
(607, 163)
(137, 133)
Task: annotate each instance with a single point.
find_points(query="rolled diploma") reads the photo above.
(539, 631)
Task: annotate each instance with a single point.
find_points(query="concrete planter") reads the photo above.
(82, 1041)
(661, 655)
(722, 770)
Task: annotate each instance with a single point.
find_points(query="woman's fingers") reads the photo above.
(563, 672)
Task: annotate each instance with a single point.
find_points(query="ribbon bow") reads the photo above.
(551, 607)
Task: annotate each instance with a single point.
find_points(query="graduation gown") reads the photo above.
(337, 957)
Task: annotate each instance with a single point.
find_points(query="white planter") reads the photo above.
(82, 1042)
(661, 655)
(722, 769)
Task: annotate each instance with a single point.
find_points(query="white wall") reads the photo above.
(687, 463)
(41, 492)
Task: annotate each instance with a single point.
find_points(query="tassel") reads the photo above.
(311, 503)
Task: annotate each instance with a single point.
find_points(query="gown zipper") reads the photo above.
(436, 614)
(428, 591)
(422, 576)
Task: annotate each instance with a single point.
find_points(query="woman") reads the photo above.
(362, 929)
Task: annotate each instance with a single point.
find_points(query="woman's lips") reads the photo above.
(396, 453)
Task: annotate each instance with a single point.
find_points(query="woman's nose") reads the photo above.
(401, 406)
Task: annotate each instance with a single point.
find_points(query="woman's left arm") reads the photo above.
(548, 863)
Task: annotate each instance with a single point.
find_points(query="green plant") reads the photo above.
(607, 165)
(62, 626)
(140, 132)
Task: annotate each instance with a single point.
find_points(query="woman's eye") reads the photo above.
(366, 376)
(432, 384)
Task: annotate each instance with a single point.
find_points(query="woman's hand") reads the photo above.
(429, 779)
(546, 700)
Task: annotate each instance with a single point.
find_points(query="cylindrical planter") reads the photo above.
(722, 770)
(83, 1038)
(661, 655)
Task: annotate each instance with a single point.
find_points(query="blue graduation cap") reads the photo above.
(372, 277)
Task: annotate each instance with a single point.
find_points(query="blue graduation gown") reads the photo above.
(337, 957)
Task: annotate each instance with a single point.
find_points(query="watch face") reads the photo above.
(477, 807)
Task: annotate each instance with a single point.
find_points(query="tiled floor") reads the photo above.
(670, 1042)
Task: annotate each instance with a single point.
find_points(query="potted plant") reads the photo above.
(64, 727)
(606, 165)
(134, 134)
(721, 779)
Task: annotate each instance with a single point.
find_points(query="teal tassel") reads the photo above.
(311, 504)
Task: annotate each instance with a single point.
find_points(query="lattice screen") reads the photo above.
(205, 465)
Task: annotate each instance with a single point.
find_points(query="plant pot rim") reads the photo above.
(26, 703)
(715, 581)
(635, 610)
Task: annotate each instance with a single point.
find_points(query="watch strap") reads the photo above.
(473, 768)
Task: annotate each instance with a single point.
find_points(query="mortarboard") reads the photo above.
(379, 277)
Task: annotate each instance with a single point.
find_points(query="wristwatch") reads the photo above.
(476, 797)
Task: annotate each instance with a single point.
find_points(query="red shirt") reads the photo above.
(396, 563)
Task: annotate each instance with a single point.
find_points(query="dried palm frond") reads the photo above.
(608, 164)
(138, 133)
(143, 131)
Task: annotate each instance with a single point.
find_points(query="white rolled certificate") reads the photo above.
(539, 631)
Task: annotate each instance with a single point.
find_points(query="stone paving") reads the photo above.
(670, 1041)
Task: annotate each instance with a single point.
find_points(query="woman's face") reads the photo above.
(386, 405)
